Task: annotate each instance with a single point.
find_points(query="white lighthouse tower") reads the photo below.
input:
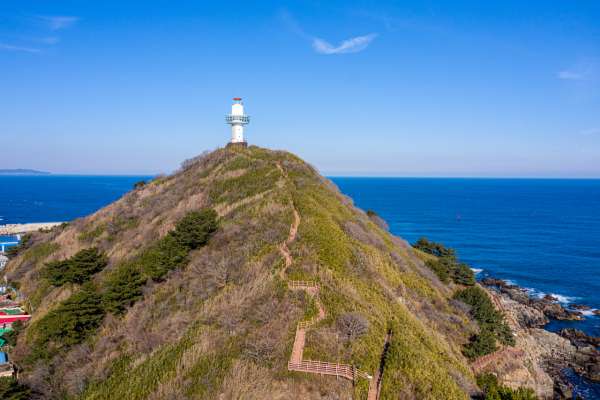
(237, 119)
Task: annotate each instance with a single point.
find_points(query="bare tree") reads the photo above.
(190, 162)
(353, 326)
(230, 320)
(262, 348)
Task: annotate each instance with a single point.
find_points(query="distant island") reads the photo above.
(22, 172)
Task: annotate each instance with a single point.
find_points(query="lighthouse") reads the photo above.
(237, 119)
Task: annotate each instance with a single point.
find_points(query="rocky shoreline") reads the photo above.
(548, 353)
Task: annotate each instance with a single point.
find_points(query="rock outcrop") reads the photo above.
(548, 350)
(576, 334)
(550, 309)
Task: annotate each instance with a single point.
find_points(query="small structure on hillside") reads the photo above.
(237, 119)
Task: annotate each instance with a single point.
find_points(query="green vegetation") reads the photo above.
(372, 213)
(494, 391)
(166, 256)
(139, 184)
(193, 229)
(89, 235)
(11, 336)
(69, 324)
(125, 287)
(10, 389)
(14, 251)
(76, 269)
(447, 266)
(490, 320)
(40, 252)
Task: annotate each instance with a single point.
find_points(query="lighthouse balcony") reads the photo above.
(237, 119)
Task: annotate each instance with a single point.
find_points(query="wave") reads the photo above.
(588, 313)
(565, 300)
(477, 271)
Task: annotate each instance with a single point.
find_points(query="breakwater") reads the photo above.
(17, 229)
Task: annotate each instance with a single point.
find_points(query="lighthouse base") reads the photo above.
(243, 144)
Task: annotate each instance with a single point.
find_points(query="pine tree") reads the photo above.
(70, 323)
(481, 344)
(10, 389)
(194, 229)
(124, 287)
(463, 275)
(167, 255)
(76, 269)
(425, 246)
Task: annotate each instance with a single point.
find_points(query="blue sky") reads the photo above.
(357, 88)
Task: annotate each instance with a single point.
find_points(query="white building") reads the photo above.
(237, 119)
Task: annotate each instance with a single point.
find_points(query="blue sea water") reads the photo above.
(542, 234)
(57, 198)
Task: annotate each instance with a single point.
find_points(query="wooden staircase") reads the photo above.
(296, 362)
(375, 387)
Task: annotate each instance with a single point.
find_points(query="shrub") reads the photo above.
(440, 269)
(76, 269)
(352, 325)
(494, 391)
(481, 344)
(372, 213)
(139, 184)
(193, 229)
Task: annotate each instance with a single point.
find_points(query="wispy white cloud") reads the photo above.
(58, 22)
(585, 68)
(571, 75)
(348, 46)
(17, 48)
(595, 130)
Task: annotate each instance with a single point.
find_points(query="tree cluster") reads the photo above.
(10, 389)
(495, 391)
(490, 320)
(447, 266)
(81, 314)
(76, 269)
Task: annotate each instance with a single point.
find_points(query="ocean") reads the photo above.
(57, 198)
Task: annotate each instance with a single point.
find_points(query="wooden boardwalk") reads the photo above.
(296, 362)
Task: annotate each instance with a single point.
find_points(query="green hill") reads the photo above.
(175, 292)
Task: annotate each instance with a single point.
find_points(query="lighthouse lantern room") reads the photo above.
(237, 119)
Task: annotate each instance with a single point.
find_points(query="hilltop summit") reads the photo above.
(181, 289)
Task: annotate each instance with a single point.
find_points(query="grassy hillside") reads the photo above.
(216, 320)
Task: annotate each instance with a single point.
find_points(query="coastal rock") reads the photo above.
(593, 373)
(571, 333)
(597, 312)
(552, 310)
(579, 307)
(549, 297)
(565, 391)
(494, 282)
(527, 317)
